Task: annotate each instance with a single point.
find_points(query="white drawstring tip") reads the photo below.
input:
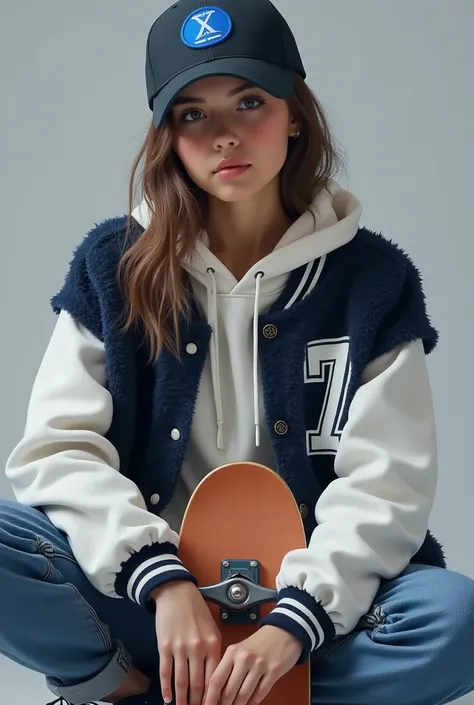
(257, 435)
(220, 436)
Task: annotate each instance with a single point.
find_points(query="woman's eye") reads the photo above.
(192, 115)
(251, 103)
(246, 104)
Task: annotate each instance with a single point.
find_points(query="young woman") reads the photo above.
(239, 313)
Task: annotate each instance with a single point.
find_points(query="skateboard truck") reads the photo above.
(239, 593)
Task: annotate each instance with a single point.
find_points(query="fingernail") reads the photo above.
(167, 701)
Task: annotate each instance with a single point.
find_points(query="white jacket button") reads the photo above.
(191, 348)
(175, 434)
(155, 499)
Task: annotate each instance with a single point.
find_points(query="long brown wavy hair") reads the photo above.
(150, 273)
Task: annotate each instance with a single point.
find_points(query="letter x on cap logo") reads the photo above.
(205, 27)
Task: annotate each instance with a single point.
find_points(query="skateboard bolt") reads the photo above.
(237, 593)
(253, 564)
(253, 616)
(225, 564)
(225, 615)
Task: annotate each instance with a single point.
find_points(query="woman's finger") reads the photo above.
(219, 679)
(196, 677)
(263, 688)
(248, 687)
(166, 671)
(237, 676)
(212, 662)
(181, 678)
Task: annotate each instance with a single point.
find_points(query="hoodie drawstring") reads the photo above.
(256, 402)
(212, 319)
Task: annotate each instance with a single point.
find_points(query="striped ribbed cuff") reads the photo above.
(299, 613)
(148, 569)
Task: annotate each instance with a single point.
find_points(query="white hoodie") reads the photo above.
(227, 422)
(64, 463)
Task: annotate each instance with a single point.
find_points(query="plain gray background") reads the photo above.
(396, 79)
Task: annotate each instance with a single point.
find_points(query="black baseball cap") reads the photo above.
(248, 39)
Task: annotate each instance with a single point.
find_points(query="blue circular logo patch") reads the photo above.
(205, 27)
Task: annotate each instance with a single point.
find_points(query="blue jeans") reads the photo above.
(416, 646)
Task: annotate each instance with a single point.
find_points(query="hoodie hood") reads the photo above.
(232, 307)
(331, 222)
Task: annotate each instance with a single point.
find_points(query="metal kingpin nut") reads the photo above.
(237, 593)
(225, 564)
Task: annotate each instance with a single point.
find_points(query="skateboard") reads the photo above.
(241, 521)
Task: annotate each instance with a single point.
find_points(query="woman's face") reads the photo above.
(224, 118)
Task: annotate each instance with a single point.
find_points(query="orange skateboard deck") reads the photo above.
(240, 522)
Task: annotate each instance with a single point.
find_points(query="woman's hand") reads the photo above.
(250, 669)
(188, 638)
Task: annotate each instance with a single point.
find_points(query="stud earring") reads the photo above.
(296, 135)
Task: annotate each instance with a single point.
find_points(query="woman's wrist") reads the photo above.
(283, 635)
(173, 585)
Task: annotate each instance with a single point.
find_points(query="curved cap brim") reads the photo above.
(276, 80)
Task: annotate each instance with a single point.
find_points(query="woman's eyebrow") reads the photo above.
(188, 99)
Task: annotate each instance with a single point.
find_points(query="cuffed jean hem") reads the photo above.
(104, 683)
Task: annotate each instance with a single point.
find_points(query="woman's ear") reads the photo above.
(293, 127)
(294, 130)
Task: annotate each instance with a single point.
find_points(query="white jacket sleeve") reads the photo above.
(66, 466)
(374, 517)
